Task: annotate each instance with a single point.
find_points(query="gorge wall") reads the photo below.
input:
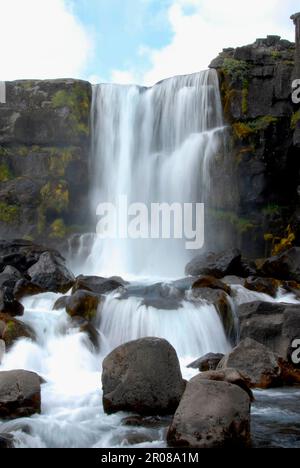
(256, 86)
(45, 137)
(44, 159)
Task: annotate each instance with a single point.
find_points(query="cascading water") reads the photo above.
(153, 145)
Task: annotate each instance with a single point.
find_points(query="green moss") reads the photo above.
(55, 196)
(295, 119)
(59, 161)
(237, 70)
(9, 213)
(276, 54)
(58, 229)
(78, 102)
(243, 130)
(5, 173)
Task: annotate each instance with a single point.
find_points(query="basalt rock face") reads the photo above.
(44, 149)
(256, 87)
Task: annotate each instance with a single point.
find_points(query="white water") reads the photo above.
(153, 145)
(72, 414)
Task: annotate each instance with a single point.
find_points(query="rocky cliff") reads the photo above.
(264, 125)
(44, 157)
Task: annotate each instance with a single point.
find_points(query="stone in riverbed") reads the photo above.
(268, 286)
(260, 367)
(9, 305)
(25, 288)
(51, 274)
(97, 285)
(216, 265)
(83, 304)
(231, 376)
(20, 394)
(86, 327)
(208, 362)
(211, 283)
(274, 325)
(12, 330)
(143, 377)
(285, 266)
(211, 414)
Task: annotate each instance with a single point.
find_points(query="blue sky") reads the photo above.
(141, 41)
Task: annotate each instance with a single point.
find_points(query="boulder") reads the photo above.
(12, 330)
(144, 377)
(211, 283)
(211, 414)
(97, 285)
(6, 441)
(285, 266)
(21, 254)
(217, 265)
(9, 305)
(267, 286)
(25, 288)
(274, 325)
(231, 376)
(20, 394)
(208, 362)
(83, 304)
(51, 274)
(163, 296)
(259, 365)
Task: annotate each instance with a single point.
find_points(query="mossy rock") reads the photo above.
(12, 330)
(9, 214)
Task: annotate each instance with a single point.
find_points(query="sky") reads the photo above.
(129, 41)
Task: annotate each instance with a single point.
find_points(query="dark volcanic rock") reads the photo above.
(212, 283)
(21, 254)
(61, 303)
(217, 265)
(231, 376)
(25, 288)
(271, 324)
(259, 365)
(83, 304)
(11, 330)
(20, 394)
(268, 286)
(51, 274)
(285, 266)
(208, 362)
(162, 296)
(144, 377)
(8, 304)
(97, 284)
(211, 414)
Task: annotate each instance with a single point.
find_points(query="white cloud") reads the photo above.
(123, 77)
(213, 25)
(41, 39)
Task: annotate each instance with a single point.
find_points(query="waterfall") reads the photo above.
(2, 92)
(154, 145)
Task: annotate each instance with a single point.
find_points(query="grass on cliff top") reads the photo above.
(78, 102)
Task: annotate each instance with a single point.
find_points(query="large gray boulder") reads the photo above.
(216, 265)
(51, 274)
(211, 414)
(20, 394)
(209, 362)
(285, 266)
(144, 377)
(83, 304)
(259, 365)
(97, 284)
(274, 325)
